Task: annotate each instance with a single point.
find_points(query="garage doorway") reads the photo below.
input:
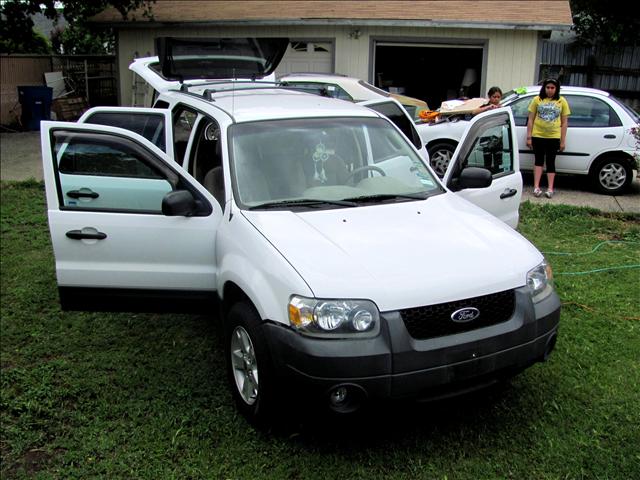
(433, 72)
(306, 56)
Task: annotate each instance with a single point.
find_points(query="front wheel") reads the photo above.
(249, 369)
(611, 175)
(440, 155)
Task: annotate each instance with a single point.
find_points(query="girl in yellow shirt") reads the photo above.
(546, 132)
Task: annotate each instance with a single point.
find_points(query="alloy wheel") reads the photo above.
(245, 366)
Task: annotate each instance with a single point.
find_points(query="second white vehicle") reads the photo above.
(599, 140)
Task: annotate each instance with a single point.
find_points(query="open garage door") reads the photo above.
(432, 72)
(306, 56)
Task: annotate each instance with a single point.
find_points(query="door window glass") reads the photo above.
(147, 125)
(105, 172)
(520, 110)
(590, 112)
(492, 150)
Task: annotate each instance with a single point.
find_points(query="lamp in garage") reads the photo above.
(469, 78)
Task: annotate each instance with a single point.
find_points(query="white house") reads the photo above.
(430, 49)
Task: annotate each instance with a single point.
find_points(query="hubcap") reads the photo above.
(612, 176)
(245, 366)
(440, 161)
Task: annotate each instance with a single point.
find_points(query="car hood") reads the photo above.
(400, 255)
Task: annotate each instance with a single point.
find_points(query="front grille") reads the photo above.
(435, 320)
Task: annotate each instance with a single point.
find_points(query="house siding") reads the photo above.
(510, 55)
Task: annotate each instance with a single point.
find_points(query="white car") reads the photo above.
(599, 139)
(348, 88)
(344, 268)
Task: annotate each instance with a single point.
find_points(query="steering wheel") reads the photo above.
(364, 168)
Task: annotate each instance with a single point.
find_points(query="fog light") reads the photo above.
(338, 396)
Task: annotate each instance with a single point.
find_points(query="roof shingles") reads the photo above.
(510, 12)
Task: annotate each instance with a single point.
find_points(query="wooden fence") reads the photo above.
(616, 70)
(92, 77)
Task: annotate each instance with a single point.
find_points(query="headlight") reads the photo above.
(323, 317)
(540, 281)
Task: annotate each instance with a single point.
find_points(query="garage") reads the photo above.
(433, 72)
(307, 56)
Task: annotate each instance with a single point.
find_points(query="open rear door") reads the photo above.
(154, 124)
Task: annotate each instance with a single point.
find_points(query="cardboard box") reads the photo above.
(69, 108)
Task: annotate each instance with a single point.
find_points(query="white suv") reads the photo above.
(343, 267)
(599, 138)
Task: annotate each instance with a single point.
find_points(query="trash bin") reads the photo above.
(36, 105)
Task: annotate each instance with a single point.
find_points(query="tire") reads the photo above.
(249, 367)
(611, 175)
(439, 157)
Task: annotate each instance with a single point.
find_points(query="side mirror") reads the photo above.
(179, 203)
(474, 177)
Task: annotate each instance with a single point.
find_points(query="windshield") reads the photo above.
(342, 162)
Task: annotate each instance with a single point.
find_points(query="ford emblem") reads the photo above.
(465, 315)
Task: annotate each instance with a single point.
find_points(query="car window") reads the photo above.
(377, 90)
(324, 159)
(184, 120)
(395, 113)
(148, 125)
(492, 150)
(591, 112)
(322, 89)
(338, 92)
(632, 113)
(520, 110)
(104, 172)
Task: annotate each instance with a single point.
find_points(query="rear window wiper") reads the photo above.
(389, 196)
(303, 202)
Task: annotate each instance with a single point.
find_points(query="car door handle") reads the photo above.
(82, 193)
(80, 235)
(509, 192)
(609, 135)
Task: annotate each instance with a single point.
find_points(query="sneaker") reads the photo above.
(537, 192)
(548, 193)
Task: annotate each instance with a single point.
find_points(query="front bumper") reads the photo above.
(394, 365)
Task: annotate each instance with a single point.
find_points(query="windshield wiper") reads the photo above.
(303, 202)
(389, 196)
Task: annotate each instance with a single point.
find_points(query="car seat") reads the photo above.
(214, 183)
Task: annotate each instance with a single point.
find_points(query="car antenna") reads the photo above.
(233, 92)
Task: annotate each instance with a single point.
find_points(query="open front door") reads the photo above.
(131, 230)
(490, 143)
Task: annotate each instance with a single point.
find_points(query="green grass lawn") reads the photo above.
(88, 395)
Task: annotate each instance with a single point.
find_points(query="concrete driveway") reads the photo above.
(20, 160)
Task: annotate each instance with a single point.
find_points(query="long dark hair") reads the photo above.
(543, 94)
(493, 90)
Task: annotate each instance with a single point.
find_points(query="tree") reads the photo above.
(17, 34)
(605, 21)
